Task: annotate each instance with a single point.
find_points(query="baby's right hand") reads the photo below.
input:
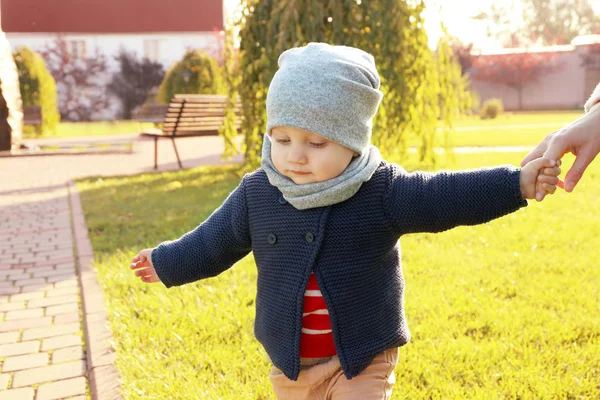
(142, 264)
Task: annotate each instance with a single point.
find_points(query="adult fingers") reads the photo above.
(536, 152)
(543, 162)
(583, 159)
(557, 147)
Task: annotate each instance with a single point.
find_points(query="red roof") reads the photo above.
(111, 16)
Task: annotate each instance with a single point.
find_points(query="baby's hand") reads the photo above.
(142, 264)
(548, 181)
(539, 177)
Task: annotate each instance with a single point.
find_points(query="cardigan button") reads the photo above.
(282, 200)
(309, 237)
(272, 239)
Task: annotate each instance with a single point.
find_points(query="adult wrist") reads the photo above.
(593, 100)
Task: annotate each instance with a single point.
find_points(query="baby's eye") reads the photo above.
(282, 141)
(318, 144)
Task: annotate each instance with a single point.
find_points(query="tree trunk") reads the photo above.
(5, 129)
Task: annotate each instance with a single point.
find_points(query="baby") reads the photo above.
(323, 217)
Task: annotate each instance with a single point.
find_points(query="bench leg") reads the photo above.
(155, 152)
(176, 153)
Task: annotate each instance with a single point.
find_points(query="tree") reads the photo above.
(515, 70)
(391, 30)
(37, 87)
(560, 21)
(591, 57)
(461, 52)
(197, 73)
(545, 22)
(79, 81)
(134, 80)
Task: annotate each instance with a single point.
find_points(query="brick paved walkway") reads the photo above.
(54, 334)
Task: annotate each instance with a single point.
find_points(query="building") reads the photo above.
(156, 29)
(567, 88)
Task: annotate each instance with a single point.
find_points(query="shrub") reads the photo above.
(491, 109)
(196, 73)
(80, 80)
(38, 88)
(134, 80)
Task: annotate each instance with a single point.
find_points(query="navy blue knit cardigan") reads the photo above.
(352, 247)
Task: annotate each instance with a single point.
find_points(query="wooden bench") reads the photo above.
(32, 115)
(189, 115)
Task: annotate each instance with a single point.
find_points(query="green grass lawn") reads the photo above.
(97, 128)
(504, 310)
(509, 129)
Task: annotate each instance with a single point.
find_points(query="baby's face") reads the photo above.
(305, 157)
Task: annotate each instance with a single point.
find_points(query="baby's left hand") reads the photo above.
(539, 177)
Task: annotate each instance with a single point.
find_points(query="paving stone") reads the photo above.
(63, 291)
(36, 288)
(60, 278)
(66, 283)
(23, 314)
(24, 324)
(61, 342)
(9, 337)
(27, 296)
(9, 290)
(55, 330)
(12, 306)
(62, 309)
(66, 318)
(18, 363)
(53, 272)
(4, 379)
(53, 301)
(30, 281)
(48, 374)
(62, 389)
(17, 349)
(18, 394)
(67, 354)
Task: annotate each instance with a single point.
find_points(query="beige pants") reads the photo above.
(326, 381)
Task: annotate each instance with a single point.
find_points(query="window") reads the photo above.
(76, 49)
(152, 49)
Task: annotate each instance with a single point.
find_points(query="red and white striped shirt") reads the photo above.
(316, 339)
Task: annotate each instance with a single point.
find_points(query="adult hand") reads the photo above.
(581, 137)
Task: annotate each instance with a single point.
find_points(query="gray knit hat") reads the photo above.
(332, 91)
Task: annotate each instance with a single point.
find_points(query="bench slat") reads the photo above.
(188, 115)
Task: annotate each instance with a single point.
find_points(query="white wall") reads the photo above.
(172, 45)
(563, 89)
(166, 48)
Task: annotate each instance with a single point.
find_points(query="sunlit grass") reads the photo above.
(504, 310)
(95, 128)
(508, 129)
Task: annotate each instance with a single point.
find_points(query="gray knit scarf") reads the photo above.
(321, 194)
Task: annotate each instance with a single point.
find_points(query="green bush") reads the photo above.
(38, 88)
(491, 109)
(475, 102)
(196, 73)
